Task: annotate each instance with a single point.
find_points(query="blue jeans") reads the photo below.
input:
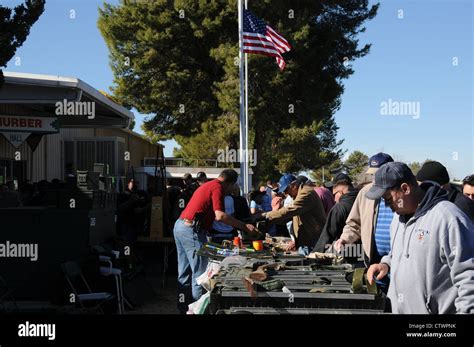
(384, 283)
(303, 250)
(190, 265)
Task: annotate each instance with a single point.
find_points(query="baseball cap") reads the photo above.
(284, 181)
(341, 177)
(377, 160)
(301, 179)
(201, 176)
(390, 175)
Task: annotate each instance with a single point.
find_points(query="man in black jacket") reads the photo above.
(344, 195)
(436, 172)
(241, 206)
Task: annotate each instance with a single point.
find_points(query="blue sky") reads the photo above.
(411, 60)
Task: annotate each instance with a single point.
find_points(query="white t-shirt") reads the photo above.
(288, 202)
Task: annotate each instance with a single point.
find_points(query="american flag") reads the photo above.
(260, 38)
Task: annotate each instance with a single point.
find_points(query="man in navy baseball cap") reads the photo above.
(369, 220)
(376, 161)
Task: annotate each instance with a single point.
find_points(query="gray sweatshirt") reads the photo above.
(432, 258)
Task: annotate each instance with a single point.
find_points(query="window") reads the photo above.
(83, 153)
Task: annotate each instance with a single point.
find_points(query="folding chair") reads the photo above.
(73, 274)
(111, 256)
(117, 273)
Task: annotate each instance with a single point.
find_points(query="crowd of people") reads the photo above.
(13, 194)
(415, 232)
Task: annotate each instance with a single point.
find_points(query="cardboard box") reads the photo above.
(156, 226)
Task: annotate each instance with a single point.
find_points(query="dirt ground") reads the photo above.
(164, 285)
(165, 300)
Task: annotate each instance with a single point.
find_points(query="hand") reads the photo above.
(380, 269)
(290, 246)
(257, 217)
(250, 228)
(339, 245)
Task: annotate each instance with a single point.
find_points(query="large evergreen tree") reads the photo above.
(356, 163)
(176, 60)
(14, 28)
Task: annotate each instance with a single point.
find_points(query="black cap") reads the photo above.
(433, 171)
(201, 176)
(301, 179)
(342, 177)
(328, 184)
(388, 176)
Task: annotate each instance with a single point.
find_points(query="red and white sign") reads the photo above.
(29, 124)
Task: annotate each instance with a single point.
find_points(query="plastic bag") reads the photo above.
(212, 269)
(200, 306)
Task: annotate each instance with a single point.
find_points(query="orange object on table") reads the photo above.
(258, 245)
(237, 242)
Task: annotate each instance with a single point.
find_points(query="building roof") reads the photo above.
(47, 90)
(144, 138)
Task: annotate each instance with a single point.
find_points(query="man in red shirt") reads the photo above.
(190, 233)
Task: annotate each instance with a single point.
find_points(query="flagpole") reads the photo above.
(242, 113)
(247, 164)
